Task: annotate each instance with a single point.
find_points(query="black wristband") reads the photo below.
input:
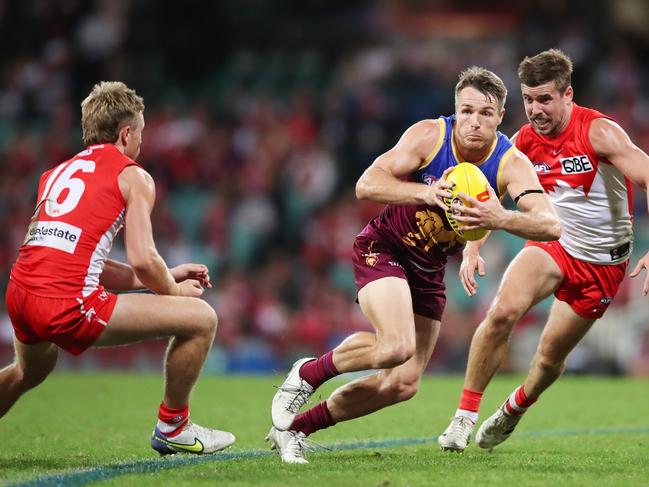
(527, 191)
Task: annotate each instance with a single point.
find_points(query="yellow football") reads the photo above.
(470, 180)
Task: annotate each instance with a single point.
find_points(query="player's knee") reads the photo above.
(209, 319)
(406, 389)
(502, 317)
(401, 389)
(394, 354)
(213, 321)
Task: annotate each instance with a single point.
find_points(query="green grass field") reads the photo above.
(95, 428)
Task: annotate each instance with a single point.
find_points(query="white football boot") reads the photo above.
(192, 439)
(290, 397)
(458, 434)
(290, 445)
(497, 428)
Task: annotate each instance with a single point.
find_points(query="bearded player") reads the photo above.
(57, 296)
(400, 256)
(585, 162)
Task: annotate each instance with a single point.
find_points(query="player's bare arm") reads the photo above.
(610, 141)
(121, 276)
(380, 182)
(138, 190)
(537, 219)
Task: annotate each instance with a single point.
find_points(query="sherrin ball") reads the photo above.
(470, 180)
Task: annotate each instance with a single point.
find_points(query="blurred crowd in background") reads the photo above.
(261, 115)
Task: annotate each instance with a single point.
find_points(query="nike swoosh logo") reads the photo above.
(196, 447)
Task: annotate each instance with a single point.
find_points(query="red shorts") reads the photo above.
(373, 260)
(588, 288)
(71, 323)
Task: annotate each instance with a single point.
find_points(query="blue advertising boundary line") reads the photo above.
(84, 477)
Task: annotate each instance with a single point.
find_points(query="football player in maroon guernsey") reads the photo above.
(400, 256)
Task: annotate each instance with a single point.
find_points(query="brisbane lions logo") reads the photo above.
(371, 258)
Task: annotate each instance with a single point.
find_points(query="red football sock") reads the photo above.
(174, 419)
(318, 371)
(518, 402)
(470, 400)
(316, 418)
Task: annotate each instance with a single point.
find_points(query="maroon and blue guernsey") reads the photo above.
(421, 233)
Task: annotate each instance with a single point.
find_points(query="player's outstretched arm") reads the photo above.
(138, 190)
(380, 182)
(609, 140)
(120, 276)
(537, 219)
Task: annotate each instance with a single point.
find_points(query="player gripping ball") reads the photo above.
(470, 180)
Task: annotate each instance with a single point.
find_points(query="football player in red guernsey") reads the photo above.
(400, 256)
(58, 295)
(585, 163)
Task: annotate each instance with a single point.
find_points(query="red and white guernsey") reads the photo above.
(80, 210)
(591, 196)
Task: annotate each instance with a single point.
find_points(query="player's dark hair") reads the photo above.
(109, 106)
(550, 65)
(485, 81)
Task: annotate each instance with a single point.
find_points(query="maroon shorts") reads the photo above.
(588, 288)
(71, 323)
(373, 260)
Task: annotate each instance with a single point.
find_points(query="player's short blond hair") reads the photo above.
(485, 81)
(550, 65)
(109, 106)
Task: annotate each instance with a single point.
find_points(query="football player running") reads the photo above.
(585, 162)
(400, 257)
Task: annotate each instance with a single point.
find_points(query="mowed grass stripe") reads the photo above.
(83, 477)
